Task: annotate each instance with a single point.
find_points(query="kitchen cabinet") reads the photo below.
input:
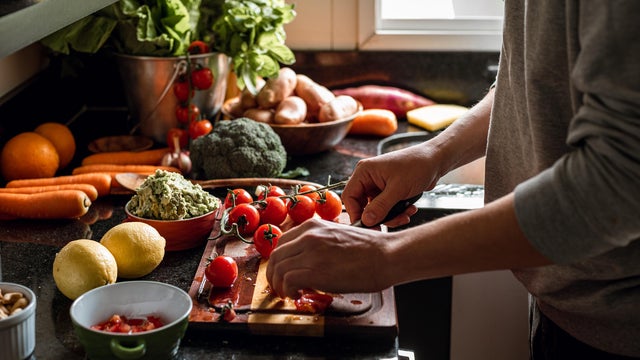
(34, 20)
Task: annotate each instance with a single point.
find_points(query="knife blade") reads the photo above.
(396, 210)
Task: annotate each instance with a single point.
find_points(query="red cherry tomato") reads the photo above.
(222, 271)
(200, 128)
(301, 208)
(202, 78)
(198, 47)
(187, 114)
(181, 91)
(241, 196)
(266, 238)
(271, 190)
(306, 188)
(246, 216)
(328, 205)
(273, 210)
(182, 135)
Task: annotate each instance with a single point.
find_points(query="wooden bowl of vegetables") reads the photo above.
(308, 117)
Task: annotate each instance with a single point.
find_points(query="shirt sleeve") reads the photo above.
(590, 197)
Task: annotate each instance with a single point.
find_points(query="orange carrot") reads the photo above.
(113, 169)
(117, 168)
(88, 189)
(145, 157)
(61, 204)
(376, 122)
(102, 182)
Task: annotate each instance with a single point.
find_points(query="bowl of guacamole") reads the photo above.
(182, 212)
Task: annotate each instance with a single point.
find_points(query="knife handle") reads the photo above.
(396, 210)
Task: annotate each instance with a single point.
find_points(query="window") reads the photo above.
(474, 25)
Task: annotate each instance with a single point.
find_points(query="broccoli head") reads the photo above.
(239, 148)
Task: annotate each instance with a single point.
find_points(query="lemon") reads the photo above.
(137, 247)
(82, 265)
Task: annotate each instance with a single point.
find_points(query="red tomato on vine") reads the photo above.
(240, 195)
(202, 78)
(265, 239)
(247, 218)
(198, 47)
(273, 210)
(200, 128)
(301, 208)
(328, 205)
(271, 190)
(187, 114)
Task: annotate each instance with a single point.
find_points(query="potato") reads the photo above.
(247, 99)
(290, 111)
(277, 89)
(338, 108)
(314, 94)
(260, 115)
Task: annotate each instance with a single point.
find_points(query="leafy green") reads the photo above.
(252, 33)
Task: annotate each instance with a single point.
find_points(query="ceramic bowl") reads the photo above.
(180, 234)
(18, 331)
(132, 299)
(308, 138)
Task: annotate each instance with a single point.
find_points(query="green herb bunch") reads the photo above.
(250, 32)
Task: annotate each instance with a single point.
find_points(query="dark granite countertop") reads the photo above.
(92, 106)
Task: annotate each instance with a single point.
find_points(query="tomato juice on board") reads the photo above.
(129, 325)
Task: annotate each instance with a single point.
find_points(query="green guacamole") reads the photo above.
(169, 196)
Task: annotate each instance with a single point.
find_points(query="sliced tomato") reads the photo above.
(313, 302)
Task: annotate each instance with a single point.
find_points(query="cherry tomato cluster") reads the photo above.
(189, 116)
(260, 217)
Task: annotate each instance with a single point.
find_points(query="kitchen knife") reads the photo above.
(396, 210)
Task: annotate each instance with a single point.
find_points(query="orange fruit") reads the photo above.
(29, 155)
(62, 139)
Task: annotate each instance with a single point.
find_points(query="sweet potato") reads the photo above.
(386, 97)
(260, 115)
(338, 108)
(375, 122)
(277, 89)
(314, 94)
(291, 111)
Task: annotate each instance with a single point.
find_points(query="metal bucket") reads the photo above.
(148, 87)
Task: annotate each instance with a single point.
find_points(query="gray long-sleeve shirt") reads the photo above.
(565, 135)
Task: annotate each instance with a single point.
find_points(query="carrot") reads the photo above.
(88, 189)
(102, 182)
(386, 97)
(113, 169)
(61, 204)
(144, 157)
(118, 168)
(377, 122)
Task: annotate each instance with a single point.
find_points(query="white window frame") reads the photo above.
(481, 34)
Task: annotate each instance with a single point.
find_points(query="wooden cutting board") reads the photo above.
(260, 312)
